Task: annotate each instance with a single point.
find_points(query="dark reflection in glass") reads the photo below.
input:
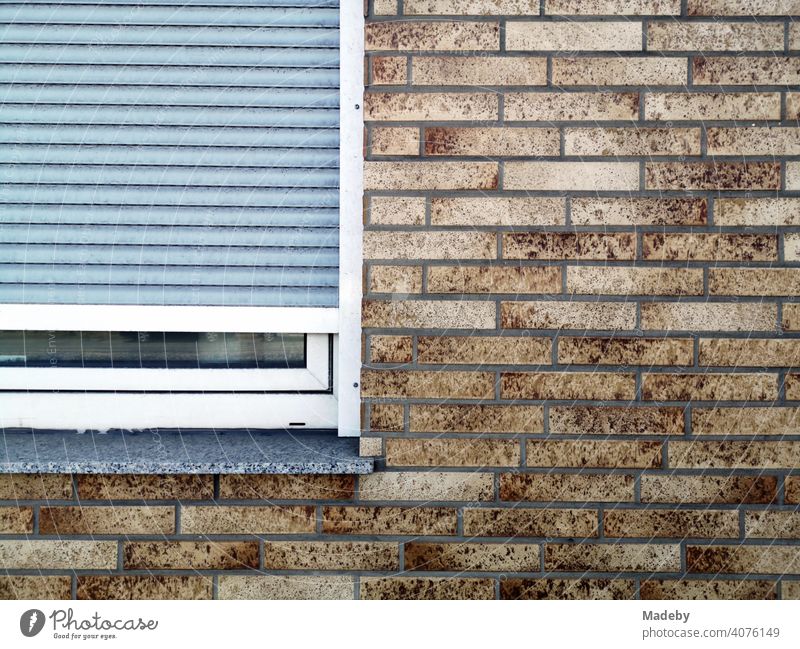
(151, 349)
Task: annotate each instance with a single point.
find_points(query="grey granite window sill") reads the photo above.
(179, 451)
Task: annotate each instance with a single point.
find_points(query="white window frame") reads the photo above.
(340, 409)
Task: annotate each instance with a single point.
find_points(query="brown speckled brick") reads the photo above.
(616, 71)
(625, 351)
(792, 387)
(556, 245)
(744, 71)
(34, 587)
(754, 353)
(291, 587)
(632, 141)
(494, 557)
(470, 7)
(426, 486)
(600, 280)
(390, 349)
(439, 35)
(567, 315)
(671, 523)
(743, 559)
(430, 175)
(613, 7)
(586, 454)
(734, 455)
(485, 210)
(754, 281)
(399, 141)
(722, 176)
(228, 519)
(107, 520)
(420, 588)
(286, 487)
(598, 420)
(757, 211)
(792, 487)
(712, 247)
(437, 521)
(772, 525)
(509, 142)
(452, 452)
(196, 555)
(567, 589)
(709, 37)
(746, 421)
(395, 279)
(427, 384)
(565, 487)
(145, 487)
(476, 419)
(16, 520)
(567, 385)
(516, 522)
(25, 486)
(337, 555)
(709, 387)
(753, 141)
(429, 106)
(389, 70)
(521, 280)
(742, 7)
(709, 317)
(479, 71)
(697, 589)
(676, 106)
(483, 350)
(397, 210)
(143, 587)
(428, 314)
(791, 317)
(386, 417)
(708, 489)
(430, 245)
(58, 554)
(585, 106)
(639, 211)
(616, 557)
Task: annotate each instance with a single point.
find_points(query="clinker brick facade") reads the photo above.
(582, 238)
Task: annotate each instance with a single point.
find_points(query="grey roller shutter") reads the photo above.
(166, 152)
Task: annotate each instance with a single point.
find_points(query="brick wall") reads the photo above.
(580, 331)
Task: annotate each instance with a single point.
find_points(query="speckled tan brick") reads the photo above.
(395, 140)
(390, 349)
(519, 280)
(470, 7)
(792, 488)
(286, 487)
(143, 587)
(437, 521)
(389, 70)
(567, 589)
(598, 141)
(563, 36)
(772, 525)
(752, 352)
(790, 589)
(792, 386)
(616, 71)
(678, 316)
(639, 211)
(577, 245)
(757, 211)
(145, 487)
(616, 557)
(716, 490)
(385, 7)
(59, 555)
(709, 387)
(743, 7)
(716, 589)
(16, 520)
(671, 523)
(430, 175)
(395, 279)
(35, 587)
(754, 281)
(586, 454)
(744, 71)
(292, 587)
(430, 418)
(452, 452)
(677, 106)
(572, 176)
(734, 455)
(566, 487)
(29, 486)
(605, 280)
(432, 36)
(597, 420)
(715, 36)
(479, 71)
(613, 7)
(429, 314)
(567, 385)
(754, 141)
(567, 315)
(580, 106)
(492, 142)
(370, 446)
(427, 384)
(791, 317)
(339, 555)
(791, 245)
(731, 176)
(386, 416)
(229, 519)
(429, 245)
(429, 106)
(426, 486)
(483, 350)
(195, 555)
(517, 521)
(483, 210)
(709, 247)
(397, 210)
(746, 421)
(419, 588)
(793, 99)
(743, 559)
(625, 351)
(107, 520)
(493, 557)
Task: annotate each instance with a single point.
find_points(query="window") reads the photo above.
(180, 215)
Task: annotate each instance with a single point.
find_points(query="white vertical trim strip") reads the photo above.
(351, 135)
